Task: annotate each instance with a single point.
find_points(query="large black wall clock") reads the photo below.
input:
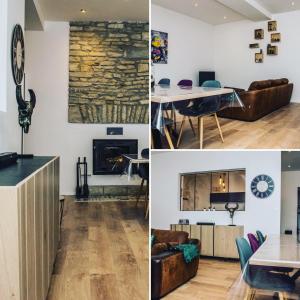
(262, 186)
(18, 54)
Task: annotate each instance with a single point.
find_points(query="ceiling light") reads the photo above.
(83, 11)
(196, 4)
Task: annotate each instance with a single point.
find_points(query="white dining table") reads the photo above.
(173, 93)
(134, 159)
(278, 251)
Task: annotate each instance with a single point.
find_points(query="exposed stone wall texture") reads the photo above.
(108, 72)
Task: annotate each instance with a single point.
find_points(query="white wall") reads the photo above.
(190, 45)
(50, 133)
(262, 214)
(234, 61)
(289, 191)
(10, 131)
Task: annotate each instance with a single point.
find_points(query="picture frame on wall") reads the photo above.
(259, 34)
(159, 47)
(275, 37)
(272, 26)
(259, 57)
(272, 50)
(254, 46)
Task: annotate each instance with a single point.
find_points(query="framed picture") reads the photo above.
(259, 34)
(253, 46)
(275, 37)
(272, 26)
(159, 47)
(259, 57)
(272, 50)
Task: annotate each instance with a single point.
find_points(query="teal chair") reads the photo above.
(258, 278)
(261, 237)
(211, 84)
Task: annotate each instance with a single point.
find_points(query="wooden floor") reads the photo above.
(279, 130)
(218, 280)
(103, 253)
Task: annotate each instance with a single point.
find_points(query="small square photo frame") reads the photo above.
(259, 57)
(272, 26)
(272, 50)
(259, 34)
(275, 37)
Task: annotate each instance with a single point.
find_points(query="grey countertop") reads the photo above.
(14, 174)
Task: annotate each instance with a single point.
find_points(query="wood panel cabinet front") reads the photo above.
(38, 205)
(224, 240)
(216, 240)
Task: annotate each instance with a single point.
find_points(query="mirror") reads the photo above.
(212, 190)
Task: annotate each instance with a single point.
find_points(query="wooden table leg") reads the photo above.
(200, 127)
(219, 127)
(169, 139)
(180, 131)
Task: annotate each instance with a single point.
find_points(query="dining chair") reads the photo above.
(261, 237)
(164, 122)
(254, 243)
(143, 172)
(205, 107)
(185, 103)
(258, 278)
(164, 81)
(211, 84)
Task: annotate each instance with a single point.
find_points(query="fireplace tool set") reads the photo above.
(82, 188)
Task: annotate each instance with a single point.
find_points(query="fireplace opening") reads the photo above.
(107, 155)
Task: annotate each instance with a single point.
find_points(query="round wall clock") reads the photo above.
(262, 186)
(18, 54)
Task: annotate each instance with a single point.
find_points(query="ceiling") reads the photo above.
(280, 6)
(209, 11)
(217, 12)
(96, 10)
(290, 161)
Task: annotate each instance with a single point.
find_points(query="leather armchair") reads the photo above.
(168, 268)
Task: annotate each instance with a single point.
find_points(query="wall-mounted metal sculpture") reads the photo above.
(25, 108)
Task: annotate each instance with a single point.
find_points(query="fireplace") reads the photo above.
(107, 155)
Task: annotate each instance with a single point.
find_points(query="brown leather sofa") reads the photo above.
(168, 268)
(262, 98)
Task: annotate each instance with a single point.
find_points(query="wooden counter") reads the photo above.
(29, 227)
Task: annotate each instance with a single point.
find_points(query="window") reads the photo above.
(3, 54)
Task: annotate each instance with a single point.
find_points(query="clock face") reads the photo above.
(18, 54)
(262, 186)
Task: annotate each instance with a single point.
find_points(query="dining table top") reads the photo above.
(136, 158)
(278, 251)
(173, 93)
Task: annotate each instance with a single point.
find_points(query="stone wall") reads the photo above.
(108, 72)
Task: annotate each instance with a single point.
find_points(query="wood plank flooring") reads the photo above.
(279, 130)
(218, 280)
(103, 253)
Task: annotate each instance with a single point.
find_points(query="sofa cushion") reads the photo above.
(169, 236)
(260, 85)
(159, 248)
(278, 82)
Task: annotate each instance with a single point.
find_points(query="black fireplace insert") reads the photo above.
(107, 155)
